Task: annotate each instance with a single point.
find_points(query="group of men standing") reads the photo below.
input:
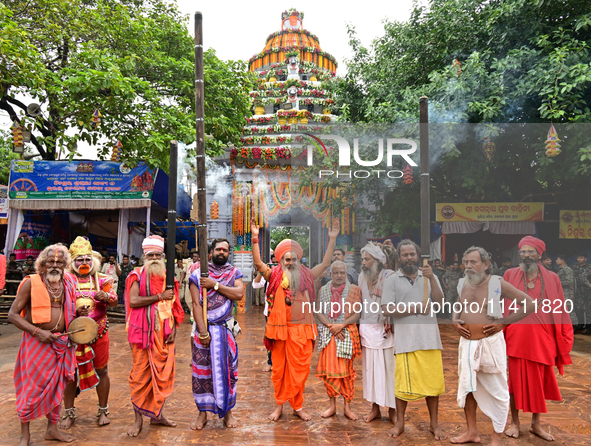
(397, 338)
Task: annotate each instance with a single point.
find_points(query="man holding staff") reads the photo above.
(215, 352)
(482, 358)
(153, 313)
(419, 366)
(44, 307)
(290, 330)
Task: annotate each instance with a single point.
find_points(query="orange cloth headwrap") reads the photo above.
(288, 245)
(536, 243)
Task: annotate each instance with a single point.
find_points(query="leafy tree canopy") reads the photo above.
(499, 61)
(133, 60)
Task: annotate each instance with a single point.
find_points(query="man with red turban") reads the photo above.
(541, 340)
(290, 330)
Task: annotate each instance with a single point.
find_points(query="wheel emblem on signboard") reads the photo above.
(22, 184)
(448, 212)
(567, 217)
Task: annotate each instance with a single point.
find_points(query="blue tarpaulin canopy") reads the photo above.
(160, 196)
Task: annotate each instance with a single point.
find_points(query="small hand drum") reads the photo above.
(83, 330)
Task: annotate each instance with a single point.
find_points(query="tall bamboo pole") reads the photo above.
(425, 184)
(171, 236)
(200, 149)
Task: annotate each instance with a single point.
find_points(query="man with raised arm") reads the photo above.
(290, 330)
(482, 358)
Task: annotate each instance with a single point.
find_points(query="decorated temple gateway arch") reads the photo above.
(290, 101)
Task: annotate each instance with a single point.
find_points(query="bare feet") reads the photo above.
(495, 439)
(375, 413)
(53, 433)
(24, 441)
(267, 368)
(396, 430)
(103, 420)
(468, 437)
(199, 421)
(392, 415)
(437, 432)
(136, 428)
(276, 413)
(230, 420)
(513, 431)
(305, 416)
(536, 429)
(350, 414)
(163, 421)
(66, 423)
(329, 412)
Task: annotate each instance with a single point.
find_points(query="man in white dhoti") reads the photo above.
(377, 340)
(482, 353)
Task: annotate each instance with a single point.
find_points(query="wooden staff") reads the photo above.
(200, 155)
(425, 185)
(171, 223)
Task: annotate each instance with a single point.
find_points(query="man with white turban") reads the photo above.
(377, 339)
(290, 330)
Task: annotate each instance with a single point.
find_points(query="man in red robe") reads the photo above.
(538, 342)
(153, 314)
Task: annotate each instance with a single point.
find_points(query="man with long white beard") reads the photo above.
(290, 330)
(153, 313)
(543, 339)
(44, 306)
(94, 294)
(377, 339)
(419, 366)
(482, 357)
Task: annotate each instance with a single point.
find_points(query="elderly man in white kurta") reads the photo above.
(377, 339)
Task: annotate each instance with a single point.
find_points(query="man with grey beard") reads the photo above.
(482, 356)
(377, 340)
(544, 339)
(46, 361)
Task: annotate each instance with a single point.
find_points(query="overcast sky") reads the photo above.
(239, 29)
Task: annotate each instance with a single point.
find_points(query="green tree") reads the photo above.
(500, 61)
(133, 60)
(6, 156)
(298, 233)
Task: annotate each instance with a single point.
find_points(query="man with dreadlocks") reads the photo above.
(542, 340)
(290, 330)
(44, 307)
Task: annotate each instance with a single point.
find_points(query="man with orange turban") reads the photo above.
(290, 330)
(94, 294)
(153, 313)
(541, 340)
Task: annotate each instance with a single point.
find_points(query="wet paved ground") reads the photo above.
(569, 421)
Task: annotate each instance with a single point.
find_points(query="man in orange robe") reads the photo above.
(541, 340)
(338, 309)
(290, 330)
(153, 313)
